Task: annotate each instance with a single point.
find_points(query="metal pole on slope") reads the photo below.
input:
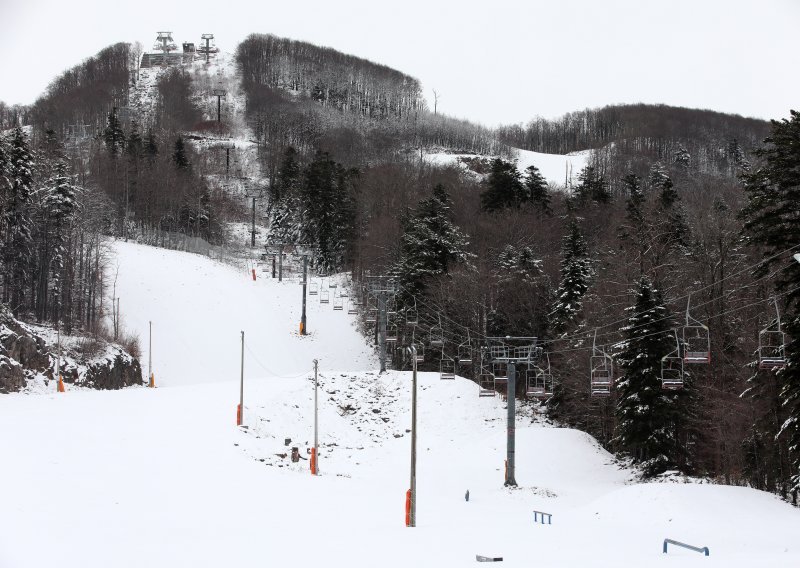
(151, 381)
(240, 420)
(382, 333)
(315, 463)
(303, 330)
(253, 231)
(280, 263)
(412, 517)
(510, 441)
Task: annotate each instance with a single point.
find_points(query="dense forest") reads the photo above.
(679, 231)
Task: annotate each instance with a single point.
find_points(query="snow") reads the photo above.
(554, 167)
(163, 477)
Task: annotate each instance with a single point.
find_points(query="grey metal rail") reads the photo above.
(667, 541)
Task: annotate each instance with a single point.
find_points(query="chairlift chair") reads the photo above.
(447, 368)
(436, 336)
(313, 289)
(338, 303)
(486, 385)
(412, 316)
(324, 297)
(601, 371)
(500, 371)
(465, 352)
(351, 308)
(772, 344)
(539, 380)
(344, 292)
(696, 340)
(391, 333)
(372, 314)
(672, 368)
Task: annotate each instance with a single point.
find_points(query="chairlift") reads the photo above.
(539, 380)
(447, 368)
(486, 385)
(696, 340)
(372, 314)
(412, 315)
(500, 371)
(672, 367)
(601, 370)
(465, 352)
(772, 344)
(313, 289)
(391, 333)
(332, 283)
(351, 308)
(436, 336)
(324, 297)
(338, 303)
(344, 292)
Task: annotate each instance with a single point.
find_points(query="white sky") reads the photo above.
(493, 61)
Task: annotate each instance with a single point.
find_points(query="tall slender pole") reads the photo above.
(280, 263)
(413, 512)
(316, 416)
(382, 336)
(253, 232)
(241, 387)
(511, 396)
(303, 330)
(150, 355)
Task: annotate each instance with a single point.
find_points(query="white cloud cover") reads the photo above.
(493, 62)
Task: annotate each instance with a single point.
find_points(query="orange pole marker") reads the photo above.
(238, 414)
(408, 508)
(313, 461)
(254, 275)
(61, 384)
(152, 383)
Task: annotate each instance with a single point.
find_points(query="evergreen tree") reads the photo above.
(113, 135)
(576, 270)
(60, 203)
(286, 212)
(504, 187)
(135, 144)
(328, 210)
(650, 419)
(771, 222)
(18, 239)
(151, 146)
(179, 156)
(672, 217)
(683, 158)
(537, 187)
(592, 186)
(430, 243)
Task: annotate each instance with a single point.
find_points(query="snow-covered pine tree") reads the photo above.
(430, 244)
(650, 420)
(772, 217)
(537, 187)
(18, 238)
(113, 135)
(328, 209)
(504, 187)
(592, 186)
(180, 157)
(672, 218)
(576, 270)
(285, 209)
(60, 203)
(682, 158)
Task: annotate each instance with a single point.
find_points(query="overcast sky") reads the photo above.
(494, 61)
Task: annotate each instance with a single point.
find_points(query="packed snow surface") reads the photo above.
(163, 477)
(556, 168)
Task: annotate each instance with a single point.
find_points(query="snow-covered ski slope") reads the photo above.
(199, 308)
(556, 168)
(163, 477)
